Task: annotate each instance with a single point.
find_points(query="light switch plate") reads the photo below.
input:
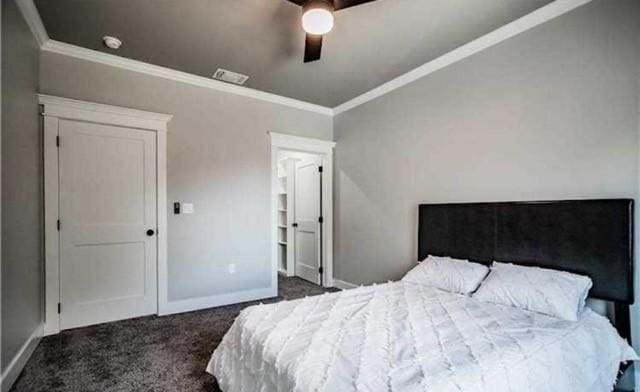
(187, 208)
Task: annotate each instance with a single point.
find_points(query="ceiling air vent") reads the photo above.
(230, 77)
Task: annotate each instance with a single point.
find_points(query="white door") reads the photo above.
(307, 214)
(107, 223)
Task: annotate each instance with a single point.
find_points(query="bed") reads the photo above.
(401, 336)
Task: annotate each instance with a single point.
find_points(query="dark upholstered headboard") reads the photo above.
(588, 237)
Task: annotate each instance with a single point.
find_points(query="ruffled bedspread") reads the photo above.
(406, 337)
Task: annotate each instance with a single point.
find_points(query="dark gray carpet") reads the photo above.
(145, 354)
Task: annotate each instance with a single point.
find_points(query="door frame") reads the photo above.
(323, 148)
(53, 109)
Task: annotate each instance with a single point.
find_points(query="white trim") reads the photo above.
(274, 215)
(327, 214)
(300, 143)
(163, 247)
(635, 308)
(12, 371)
(279, 142)
(104, 114)
(172, 74)
(191, 304)
(51, 235)
(56, 108)
(341, 284)
(527, 22)
(344, 285)
(32, 17)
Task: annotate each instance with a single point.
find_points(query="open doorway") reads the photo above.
(302, 208)
(300, 220)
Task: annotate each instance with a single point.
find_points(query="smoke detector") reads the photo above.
(111, 42)
(230, 77)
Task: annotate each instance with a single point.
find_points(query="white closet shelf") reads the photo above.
(282, 226)
(282, 210)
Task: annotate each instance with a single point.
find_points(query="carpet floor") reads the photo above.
(147, 354)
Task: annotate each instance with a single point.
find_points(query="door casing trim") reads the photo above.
(53, 109)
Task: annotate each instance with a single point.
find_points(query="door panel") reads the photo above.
(107, 203)
(307, 212)
(92, 263)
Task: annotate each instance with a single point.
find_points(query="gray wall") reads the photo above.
(218, 159)
(549, 114)
(21, 185)
(1, 366)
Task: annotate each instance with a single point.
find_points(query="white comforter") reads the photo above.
(406, 337)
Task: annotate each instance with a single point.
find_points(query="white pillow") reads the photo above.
(555, 293)
(445, 273)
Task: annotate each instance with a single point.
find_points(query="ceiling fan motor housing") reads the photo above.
(317, 20)
(321, 4)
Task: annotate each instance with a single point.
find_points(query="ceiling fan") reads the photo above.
(317, 20)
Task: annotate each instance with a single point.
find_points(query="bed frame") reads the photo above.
(588, 237)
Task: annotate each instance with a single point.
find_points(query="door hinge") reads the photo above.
(40, 109)
(320, 169)
(321, 220)
(59, 308)
(57, 141)
(59, 224)
(320, 270)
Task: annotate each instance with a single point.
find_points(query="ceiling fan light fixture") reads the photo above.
(317, 17)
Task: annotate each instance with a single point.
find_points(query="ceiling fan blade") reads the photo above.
(342, 4)
(312, 47)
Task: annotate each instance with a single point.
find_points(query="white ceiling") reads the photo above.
(370, 44)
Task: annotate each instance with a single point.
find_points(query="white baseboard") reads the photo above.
(341, 284)
(191, 304)
(11, 373)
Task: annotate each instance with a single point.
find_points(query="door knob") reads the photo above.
(295, 225)
(150, 232)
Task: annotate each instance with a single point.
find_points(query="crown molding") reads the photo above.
(95, 56)
(527, 22)
(32, 17)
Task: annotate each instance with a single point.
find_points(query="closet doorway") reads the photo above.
(300, 227)
(303, 209)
